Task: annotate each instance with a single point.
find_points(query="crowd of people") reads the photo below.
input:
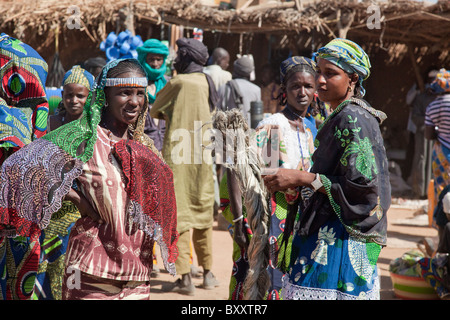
(89, 193)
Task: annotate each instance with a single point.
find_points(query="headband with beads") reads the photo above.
(127, 82)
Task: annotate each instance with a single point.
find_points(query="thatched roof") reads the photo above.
(402, 21)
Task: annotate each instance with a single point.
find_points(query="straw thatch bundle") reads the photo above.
(247, 165)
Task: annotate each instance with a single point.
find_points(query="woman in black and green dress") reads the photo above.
(342, 226)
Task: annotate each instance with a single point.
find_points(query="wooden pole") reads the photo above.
(343, 28)
(419, 79)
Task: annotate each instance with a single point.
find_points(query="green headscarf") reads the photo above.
(155, 75)
(348, 56)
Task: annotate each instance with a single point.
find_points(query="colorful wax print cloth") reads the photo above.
(150, 199)
(348, 56)
(54, 238)
(291, 64)
(23, 118)
(437, 115)
(239, 255)
(291, 145)
(19, 258)
(332, 265)
(54, 241)
(441, 84)
(440, 166)
(434, 270)
(346, 226)
(78, 75)
(23, 101)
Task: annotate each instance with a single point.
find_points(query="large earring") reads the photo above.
(284, 99)
(350, 89)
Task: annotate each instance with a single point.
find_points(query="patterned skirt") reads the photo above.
(32, 268)
(239, 255)
(440, 165)
(54, 240)
(19, 260)
(332, 265)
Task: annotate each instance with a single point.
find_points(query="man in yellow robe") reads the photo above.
(186, 102)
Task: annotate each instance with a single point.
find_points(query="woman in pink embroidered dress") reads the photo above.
(110, 169)
(108, 256)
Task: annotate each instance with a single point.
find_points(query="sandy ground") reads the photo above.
(407, 224)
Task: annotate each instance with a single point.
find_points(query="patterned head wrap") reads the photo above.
(441, 84)
(295, 63)
(79, 76)
(348, 56)
(155, 75)
(23, 101)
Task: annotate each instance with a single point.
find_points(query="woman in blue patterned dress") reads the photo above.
(342, 225)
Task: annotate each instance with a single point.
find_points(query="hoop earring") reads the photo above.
(350, 89)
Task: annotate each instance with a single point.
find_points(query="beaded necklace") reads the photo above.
(298, 134)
